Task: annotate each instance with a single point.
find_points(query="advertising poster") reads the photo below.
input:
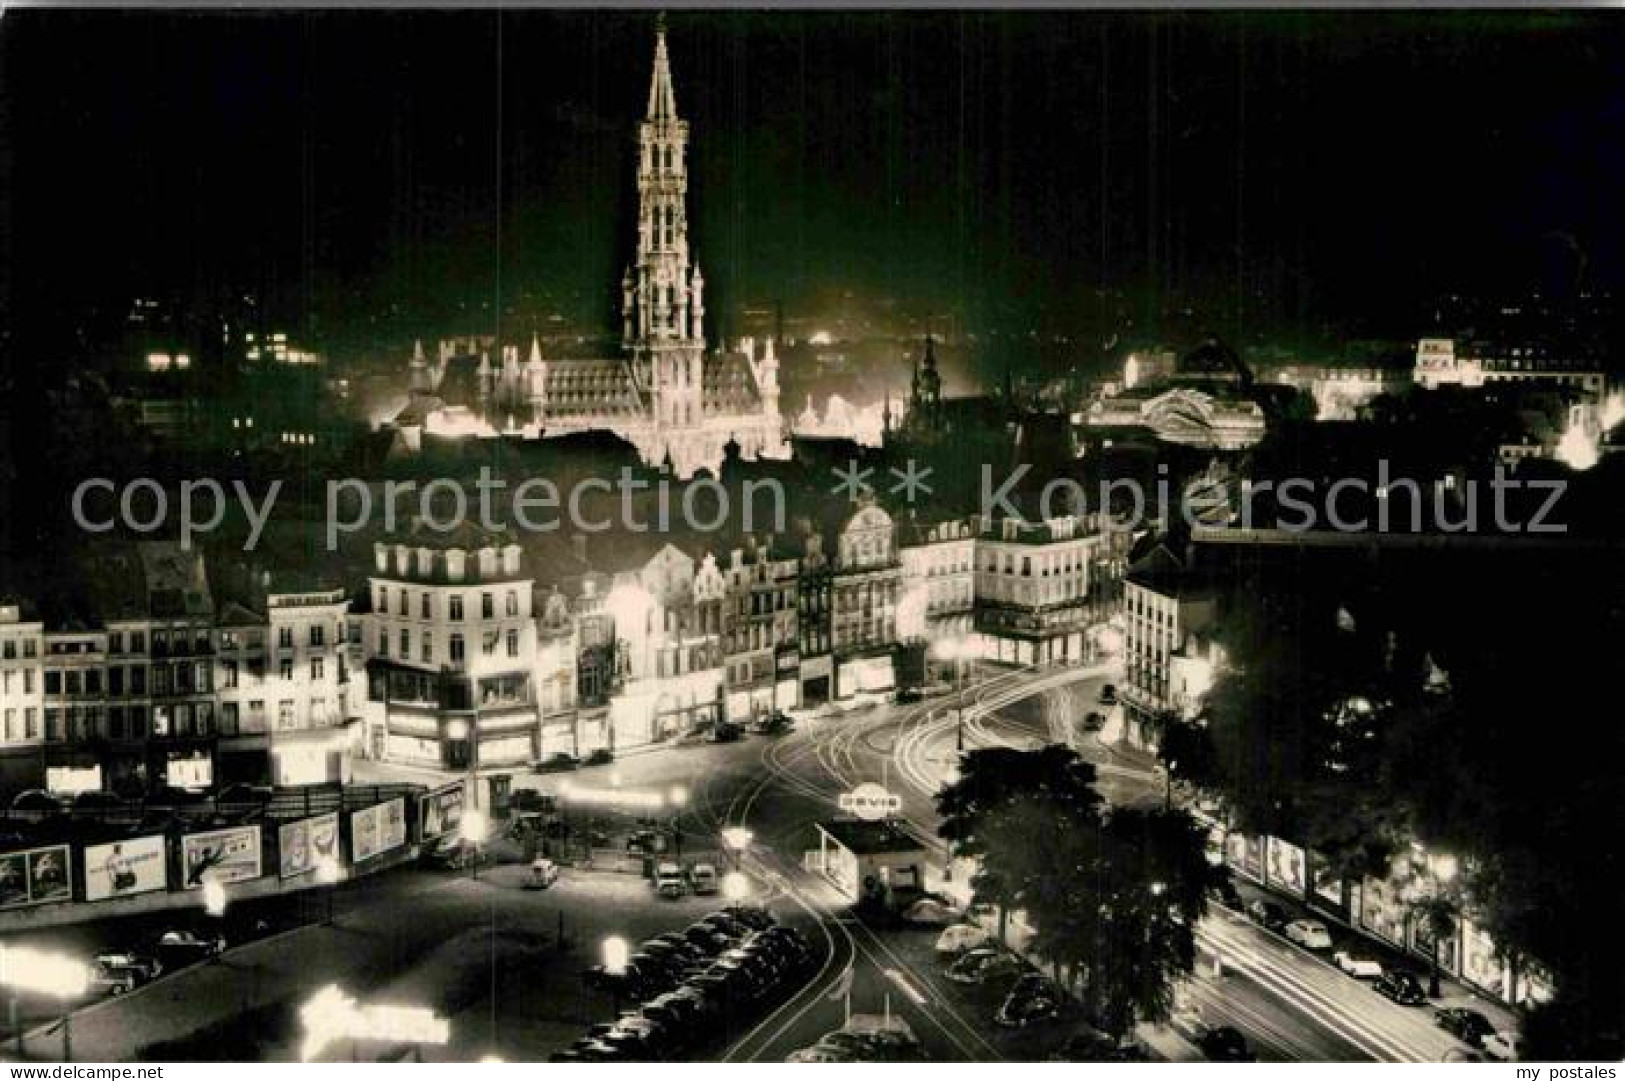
(378, 829)
(303, 845)
(125, 868)
(1246, 854)
(35, 877)
(228, 855)
(441, 811)
(1328, 886)
(1285, 865)
(1479, 964)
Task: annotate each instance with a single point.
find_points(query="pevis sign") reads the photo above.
(870, 802)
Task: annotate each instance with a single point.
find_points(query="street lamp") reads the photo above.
(25, 969)
(474, 829)
(736, 887)
(956, 650)
(214, 903)
(736, 839)
(616, 954)
(329, 874)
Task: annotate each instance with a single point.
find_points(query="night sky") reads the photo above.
(1276, 171)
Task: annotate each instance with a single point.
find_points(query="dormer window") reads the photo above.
(456, 560)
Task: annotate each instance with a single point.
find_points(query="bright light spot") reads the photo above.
(679, 795)
(1577, 449)
(474, 826)
(28, 969)
(491, 1060)
(328, 871)
(737, 838)
(616, 955)
(1131, 371)
(214, 897)
(820, 337)
(1613, 410)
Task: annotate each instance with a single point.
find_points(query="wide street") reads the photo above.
(485, 954)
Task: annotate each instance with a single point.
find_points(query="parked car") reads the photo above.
(1467, 1025)
(451, 854)
(1268, 914)
(983, 965)
(1361, 968)
(543, 873)
(703, 877)
(931, 912)
(603, 756)
(94, 800)
(1033, 999)
(726, 732)
(961, 937)
(1108, 695)
(560, 762)
(907, 695)
(1224, 891)
(37, 799)
(771, 724)
(1402, 987)
(668, 881)
(645, 841)
(182, 946)
(1310, 934)
(1225, 1044)
(530, 801)
(753, 916)
(1503, 1046)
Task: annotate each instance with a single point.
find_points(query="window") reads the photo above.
(228, 674)
(428, 648)
(160, 720)
(115, 681)
(28, 681)
(285, 669)
(513, 643)
(487, 606)
(138, 680)
(318, 711)
(10, 648)
(513, 602)
(284, 637)
(406, 644)
(456, 608)
(160, 679)
(53, 682)
(456, 648)
(256, 715)
(383, 641)
(383, 599)
(200, 640)
(29, 647)
(228, 718)
(115, 722)
(115, 643)
(318, 634)
(405, 606)
(13, 734)
(316, 669)
(284, 714)
(425, 605)
(138, 641)
(93, 681)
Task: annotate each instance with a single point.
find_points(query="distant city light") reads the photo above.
(820, 337)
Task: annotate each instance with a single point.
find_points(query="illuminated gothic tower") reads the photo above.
(662, 297)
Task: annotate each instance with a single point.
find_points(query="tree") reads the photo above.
(1113, 896)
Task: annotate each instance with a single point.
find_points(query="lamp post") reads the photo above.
(214, 903)
(25, 969)
(955, 650)
(736, 887)
(616, 953)
(736, 839)
(474, 829)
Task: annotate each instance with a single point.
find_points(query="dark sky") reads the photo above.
(1277, 170)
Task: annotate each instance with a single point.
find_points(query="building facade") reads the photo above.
(1032, 579)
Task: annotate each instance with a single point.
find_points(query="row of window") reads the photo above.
(454, 604)
(457, 648)
(183, 720)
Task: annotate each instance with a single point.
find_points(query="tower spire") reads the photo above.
(662, 101)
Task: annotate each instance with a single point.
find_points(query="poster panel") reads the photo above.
(125, 868)
(230, 855)
(303, 845)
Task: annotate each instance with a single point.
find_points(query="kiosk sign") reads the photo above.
(870, 802)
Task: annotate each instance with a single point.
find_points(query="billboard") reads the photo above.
(35, 877)
(225, 855)
(377, 829)
(440, 811)
(302, 845)
(125, 868)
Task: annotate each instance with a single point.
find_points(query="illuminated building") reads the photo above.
(760, 652)
(22, 703)
(450, 650)
(1032, 581)
(666, 395)
(1203, 402)
(1169, 613)
(865, 587)
(1453, 362)
(939, 580)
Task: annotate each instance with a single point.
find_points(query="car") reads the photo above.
(668, 881)
(543, 873)
(1310, 934)
(1503, 1046)
(37, 800)
(752, 916)
(930, 912)
(558, 762)
(451, 854)
(1402, 987)
(1467, 1025)
(530, 801)
(117, 981)
(727, 732)
(1225, 1044)
(709, 940)
(704, 879)
(884, 1037)
(603, 756)
(1268, 914)
(961, 937)
(984, 965)
(772, 724)
(726, 924)
(821, 1052)
(1094, 721)
(1033, 999)
(1361, 968)
(1099, 1047)
(181, 946)
(907, 696)
(144, 965)
(1108, 695)
(645, 841)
